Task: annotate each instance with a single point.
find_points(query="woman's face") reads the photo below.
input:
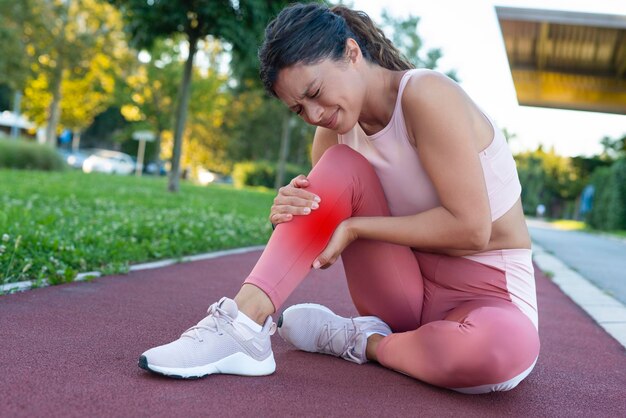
(328, 94)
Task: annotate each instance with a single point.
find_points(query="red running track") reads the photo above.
(72, 350)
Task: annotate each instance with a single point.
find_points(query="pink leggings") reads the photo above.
(454, 321)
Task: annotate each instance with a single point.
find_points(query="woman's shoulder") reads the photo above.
(430, 99)
(426, 84)
(429, 93)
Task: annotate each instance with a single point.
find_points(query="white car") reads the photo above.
(112, 162)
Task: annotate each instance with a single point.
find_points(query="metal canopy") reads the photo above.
(566, 60)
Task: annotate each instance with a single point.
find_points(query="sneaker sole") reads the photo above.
(238, 364)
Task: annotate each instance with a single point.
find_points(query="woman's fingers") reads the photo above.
(295, 192)
(296, 202)
(293, 210)
(299, 198)
(299, 181)
(293, 200)
(279, 218)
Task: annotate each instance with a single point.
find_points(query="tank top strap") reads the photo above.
(403, 82)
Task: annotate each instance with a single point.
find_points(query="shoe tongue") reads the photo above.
(229, 306)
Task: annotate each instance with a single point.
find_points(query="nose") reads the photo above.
(314, 113)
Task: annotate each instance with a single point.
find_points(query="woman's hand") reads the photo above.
(293, 200)
(342, 237)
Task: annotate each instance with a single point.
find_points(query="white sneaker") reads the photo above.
(315, 328)
(218, 344)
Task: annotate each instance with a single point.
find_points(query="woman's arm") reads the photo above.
(439, 117)
(323, 139)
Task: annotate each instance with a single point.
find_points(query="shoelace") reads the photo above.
(325, 345)
(215, 313)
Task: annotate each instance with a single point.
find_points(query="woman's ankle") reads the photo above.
(254, 303)
(372, 346)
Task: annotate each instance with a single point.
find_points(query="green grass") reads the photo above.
(569, 225)
(54, 225)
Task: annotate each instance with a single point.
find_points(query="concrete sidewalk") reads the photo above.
(71, 350)
(606, 310)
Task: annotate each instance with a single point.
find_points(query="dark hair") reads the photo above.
(310, 33)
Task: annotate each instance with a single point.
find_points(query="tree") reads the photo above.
(14, 16)
(147, 91)
(86, 96)
(613, 148)
(204, 140)
(75, 51)
(550, 179)
(195, 20)
(19, 22)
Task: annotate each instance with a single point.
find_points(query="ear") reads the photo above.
(353, 51)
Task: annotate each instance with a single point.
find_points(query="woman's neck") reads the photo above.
(380, 98)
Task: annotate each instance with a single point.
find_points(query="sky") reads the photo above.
(469, 35)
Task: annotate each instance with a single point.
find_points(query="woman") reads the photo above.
(415, 188)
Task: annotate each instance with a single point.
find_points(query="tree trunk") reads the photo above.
(76, 140)
(17, 102)
(54, 110)
(284, 151)
(157, 143)
(181, 115)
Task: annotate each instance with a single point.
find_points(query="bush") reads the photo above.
(22, 154)
(617, 196)
(262, 173)
(609, 202)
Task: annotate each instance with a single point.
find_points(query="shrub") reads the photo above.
(23, 154)
(262, 173)
(609, 202)
(617, 196)
(597, 217)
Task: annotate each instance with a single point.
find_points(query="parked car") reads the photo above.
(74, 159)
(112, 162)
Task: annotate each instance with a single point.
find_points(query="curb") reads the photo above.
(27, 285)
(607, 311)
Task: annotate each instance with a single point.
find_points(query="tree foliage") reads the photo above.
(403, 34)
(608, 211)
(75, 53)
(549, 179)
(16, 21)
(147, 91)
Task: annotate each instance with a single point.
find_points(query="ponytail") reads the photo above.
(371, 37)
(309, 33)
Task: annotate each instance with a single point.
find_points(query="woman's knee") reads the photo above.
(506, 343)
(342, 157)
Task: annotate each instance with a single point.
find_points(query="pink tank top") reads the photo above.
(406, 184)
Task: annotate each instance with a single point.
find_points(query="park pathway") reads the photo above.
(599, 259)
